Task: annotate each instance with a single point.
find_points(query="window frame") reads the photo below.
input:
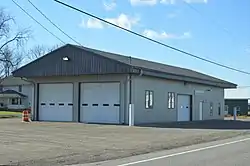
(226, 108)
(14, 103)
(20, 88)
(219, 109)
(149, 99)
(211, 108)
(171, 100)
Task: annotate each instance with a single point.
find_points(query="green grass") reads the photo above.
(8, 114)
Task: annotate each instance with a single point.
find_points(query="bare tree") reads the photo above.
(40, 50)
(37, 51)
(11, 42)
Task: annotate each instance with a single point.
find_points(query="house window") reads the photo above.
(20, 88)
(226, 108)
(171, 100)
(219, 109)
(211, 109)
(14, 101)
(149, 99)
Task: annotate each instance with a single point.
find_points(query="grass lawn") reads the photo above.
(8, 114)
(243, 117)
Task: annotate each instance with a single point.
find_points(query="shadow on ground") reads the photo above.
(208, 124)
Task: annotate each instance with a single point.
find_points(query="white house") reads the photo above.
(15, 93)
(80, 84)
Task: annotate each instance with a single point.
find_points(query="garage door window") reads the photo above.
(149, 96)
(171, 100)
(211, 109)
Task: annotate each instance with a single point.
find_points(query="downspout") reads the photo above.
(130, 81)
(33, 105)
(131, 105)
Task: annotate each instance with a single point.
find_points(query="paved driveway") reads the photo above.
(73, 143)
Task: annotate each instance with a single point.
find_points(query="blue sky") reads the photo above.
(220, 32)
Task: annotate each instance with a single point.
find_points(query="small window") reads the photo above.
(226, 108)
(211, 109)
(149, 99)
(171, 100)
(219, 109)
(14, 101)
(20, 88)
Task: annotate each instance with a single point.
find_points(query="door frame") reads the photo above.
(79, 98)
(190, 104)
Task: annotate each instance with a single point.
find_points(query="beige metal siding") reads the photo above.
(161, 87)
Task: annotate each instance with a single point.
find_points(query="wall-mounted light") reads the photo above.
(65, 58)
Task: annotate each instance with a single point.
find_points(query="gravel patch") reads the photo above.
(46, 143)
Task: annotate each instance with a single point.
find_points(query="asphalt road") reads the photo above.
(231, 152)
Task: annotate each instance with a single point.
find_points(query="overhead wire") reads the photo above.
(152, 40)
(54, 23)
(38, 22)
(209, 19)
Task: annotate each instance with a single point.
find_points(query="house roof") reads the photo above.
(82, 58)
(11, 81)
(9, 91)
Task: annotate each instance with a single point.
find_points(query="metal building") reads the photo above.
(75, 83)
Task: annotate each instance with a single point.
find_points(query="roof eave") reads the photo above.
(149, 72)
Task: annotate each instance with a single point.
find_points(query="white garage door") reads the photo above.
(183, 110)
(100, 102)
(55, 102)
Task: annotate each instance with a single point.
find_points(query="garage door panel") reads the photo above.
(100, 102)
(55, 102)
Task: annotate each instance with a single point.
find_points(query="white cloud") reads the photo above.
(196, 1)
(82, 24)
(167, 2)
(94, 23)
(91, 23)
(173, 14)
(124, 21)
(248, 50)
(109, 5)
(163, 35)
(143, 2)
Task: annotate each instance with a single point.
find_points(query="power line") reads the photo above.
(37, 21)
(54, 23)
(211, 20)
(152, 40)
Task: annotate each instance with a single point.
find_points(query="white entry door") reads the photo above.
(183, 110)
(55, 102)
(100, 103)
